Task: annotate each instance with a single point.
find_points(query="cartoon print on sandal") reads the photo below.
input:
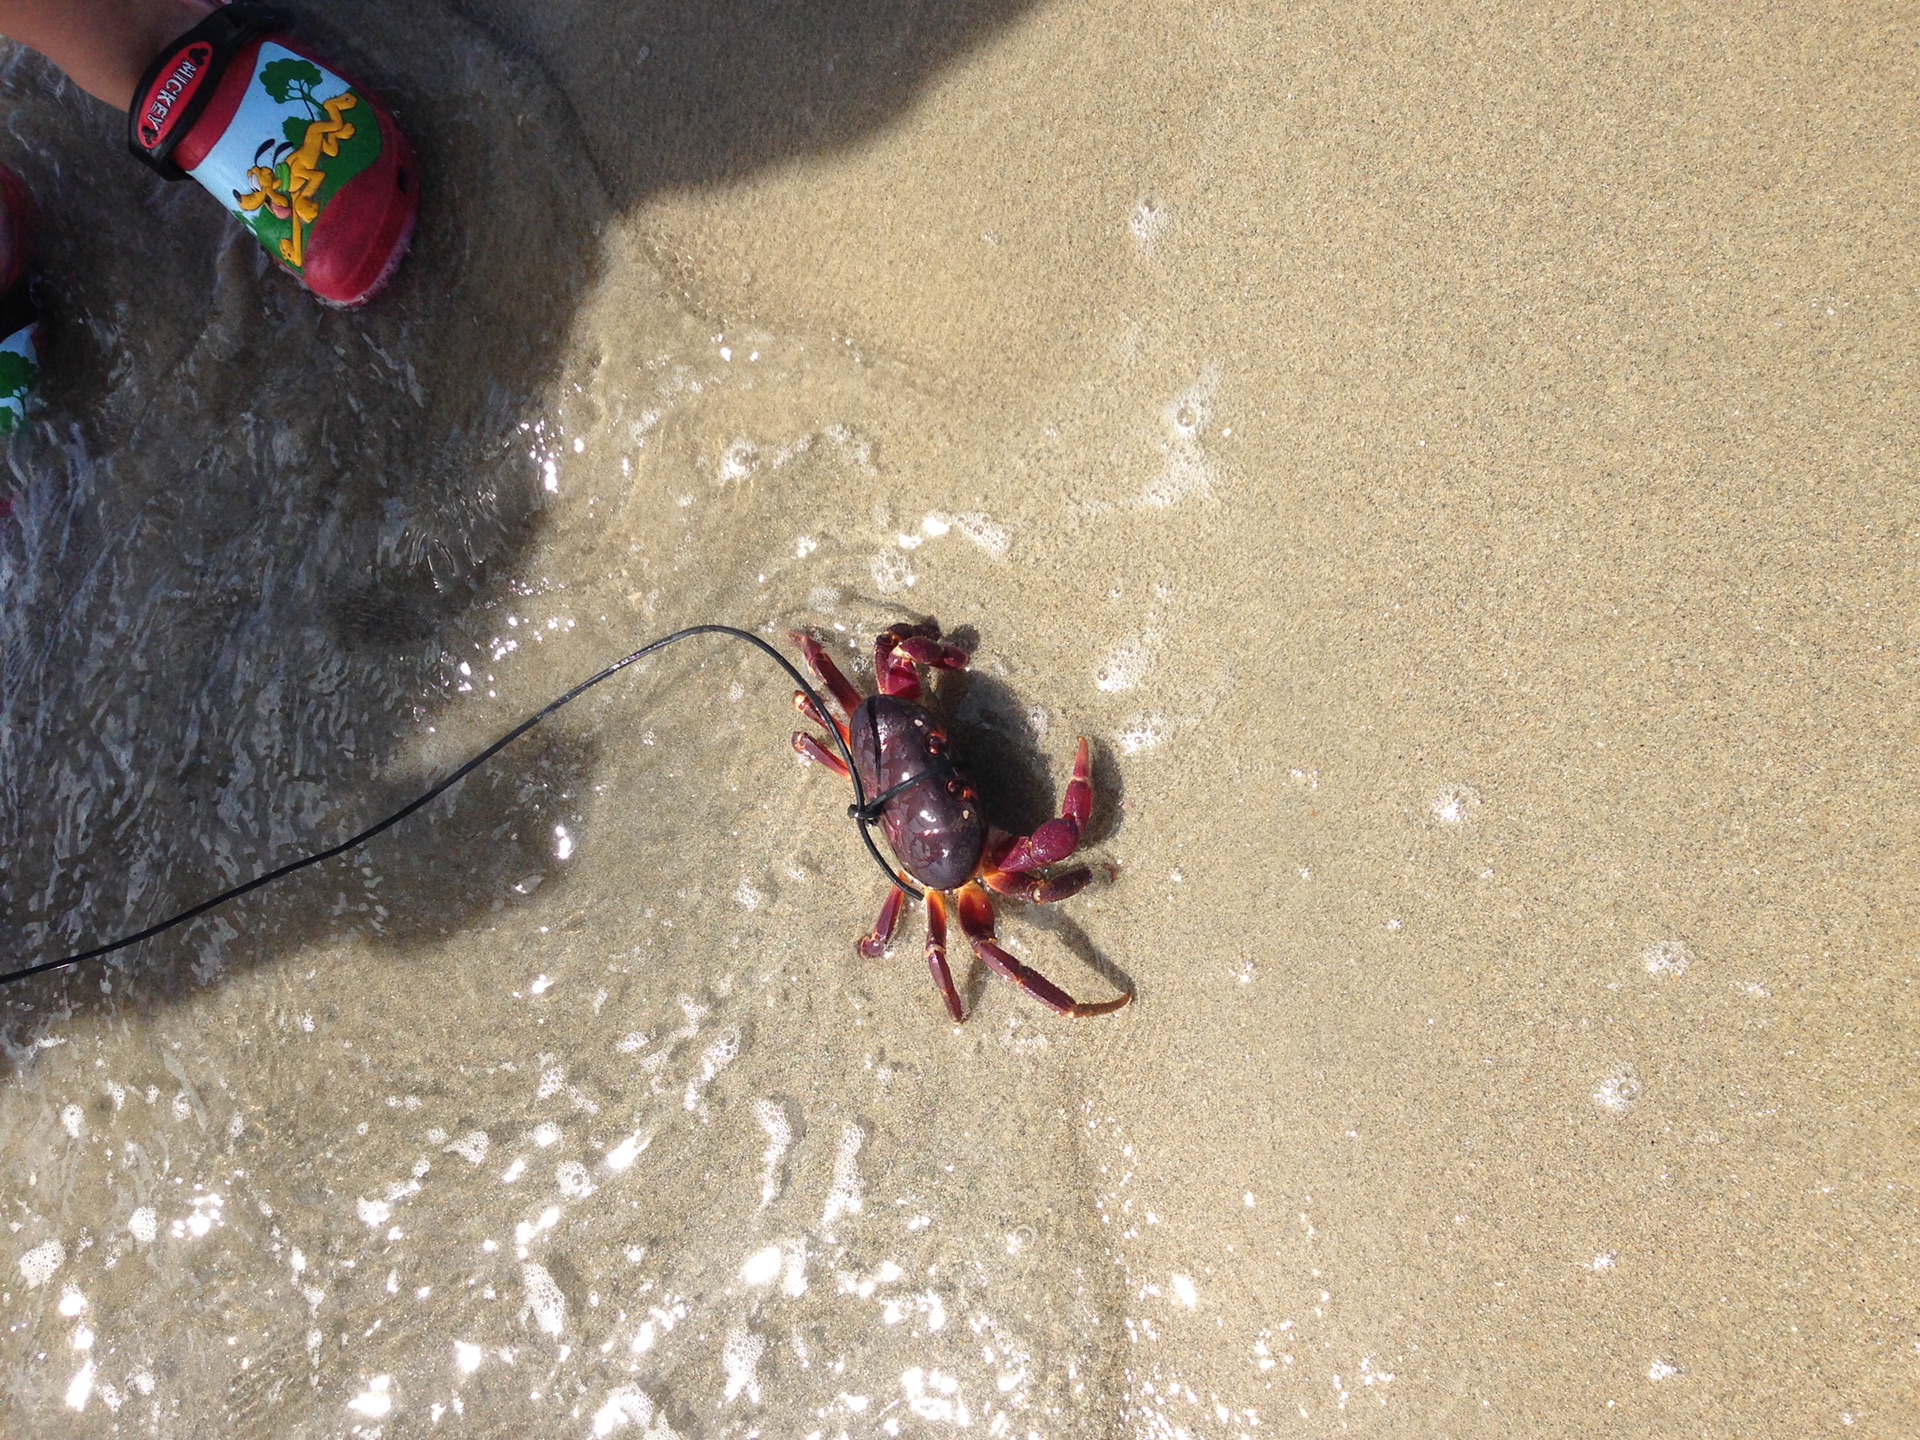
(19, 373)
(283, 182)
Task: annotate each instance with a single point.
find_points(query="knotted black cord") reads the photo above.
(860, 811)
(873, 809)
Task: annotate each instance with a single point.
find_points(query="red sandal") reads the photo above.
(309, 162)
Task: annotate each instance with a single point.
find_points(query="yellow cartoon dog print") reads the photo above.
(289, 188)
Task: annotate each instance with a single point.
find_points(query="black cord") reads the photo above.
(873, 809)
(861, 812)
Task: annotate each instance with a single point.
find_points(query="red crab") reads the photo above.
(931, 815)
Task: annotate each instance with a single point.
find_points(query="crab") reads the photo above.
(932, 819)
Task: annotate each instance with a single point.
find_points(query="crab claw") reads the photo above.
(925, 650)
(1037, 889)
(1059, 838)
(899, 648)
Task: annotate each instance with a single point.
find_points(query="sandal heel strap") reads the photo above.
(180, 82)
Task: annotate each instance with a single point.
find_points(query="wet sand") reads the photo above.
(1454, 468)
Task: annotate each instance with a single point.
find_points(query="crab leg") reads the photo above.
(809, 748)
(937, 951)
(976, 919)
(837, 684)
(874, 944)
(1056, 839)
(804, 704)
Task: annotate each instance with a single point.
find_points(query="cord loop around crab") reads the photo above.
(869, 813)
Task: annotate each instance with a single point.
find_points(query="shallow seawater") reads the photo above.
(1454, 470)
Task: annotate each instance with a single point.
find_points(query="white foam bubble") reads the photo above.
(73, 1120)
(1142, 732)
(1619, 1092)
(885, 1273)
(373, 1212)
(466, 1356)
(983, 530)
(470, 1147)
(1455, 804)
(1188, 471)
(714, 1059)
(1662, 1370)
(626, 1405)
(935, 1396)
(1123, 667)
(741, 1358)
(1148, 222)
(773, 1119)
(80, 1388)
(544, 1299)
(546, 1133)
(1667, 959)
(376, 1400)
(622, 1156)
(739, 460)
(794, 1282)
(143, 1224)
(529, 1230)
(892, 572)
(845, 1197)
(763, 1266)
(1184, 1290)
(39, 1263)
(571, 1177)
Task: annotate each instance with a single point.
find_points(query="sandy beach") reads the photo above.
(1453, 465)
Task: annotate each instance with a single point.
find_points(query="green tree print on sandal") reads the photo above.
(19, 373)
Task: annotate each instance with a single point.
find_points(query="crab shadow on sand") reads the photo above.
(248, 528)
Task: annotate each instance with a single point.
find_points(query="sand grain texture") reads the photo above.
(1456, 467)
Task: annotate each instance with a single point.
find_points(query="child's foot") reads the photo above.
(19, 316)
(310, 163)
